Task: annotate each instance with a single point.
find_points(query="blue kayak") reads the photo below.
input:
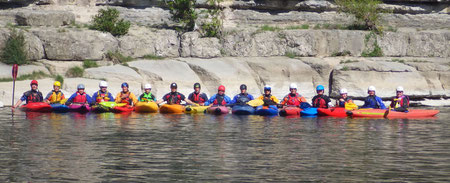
(243, 110)
(59, 108)
(271, 110)
(312, 111)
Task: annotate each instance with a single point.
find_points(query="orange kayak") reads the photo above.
(380, 113)
(122, 109)
(171, 108)
(36, 107)
(290, 111)
(334, 111)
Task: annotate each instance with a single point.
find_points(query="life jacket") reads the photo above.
(55, 97)
(268, 100)
(403, 101)
(173, 98)
(102, 97)
(80, 98)
(196, 98)
(371, 102)
(147, 97)
(320, 102)
(293, 100)
(243, 98)
(346, 100)
(220, 100)
(33, 96)
(126, 100)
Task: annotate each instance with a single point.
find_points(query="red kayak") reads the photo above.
(381, 113)
(36, 107)
(123, 109)
(290, 111)
(334, 111)
(218, 110)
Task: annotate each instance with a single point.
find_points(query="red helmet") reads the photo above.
(221, 88)
(34, 82)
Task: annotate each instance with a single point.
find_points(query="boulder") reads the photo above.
(192, 45)
(33, 46)
(44, 18)
(70, 44)
(6, 70)
(141, 41)
(316, 5)
(431, 44)
(113, 73)
(254, 43)
(394, 44)
(330, 42)
(151, 16)
(323, 68)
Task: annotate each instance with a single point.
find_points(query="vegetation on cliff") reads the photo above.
(107, 20)
(14, 50)
(366, 12)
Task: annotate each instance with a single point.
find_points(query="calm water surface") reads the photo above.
(158, 148)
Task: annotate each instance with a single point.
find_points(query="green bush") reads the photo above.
(290, 54)
(89, 64)
(74, 72)
(14, 50)
(183, 11)
(213, 28)
(376, 50)
(117, 58)
(34, 75)
(60, 79)
(152, 57)
(107, 20)
(366, 12)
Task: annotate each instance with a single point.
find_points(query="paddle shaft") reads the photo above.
(14, 88)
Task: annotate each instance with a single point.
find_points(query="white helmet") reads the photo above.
(343, 90)
(147, 86)
(400, 88)
(103, 84)
(372, 88)
(293, 86)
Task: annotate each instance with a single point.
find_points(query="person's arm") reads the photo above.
(382, 106)
(154, 97)
(163, 99)
(234, 100)
(133, 98)
(41, 98)
(111, 98)
(227, 99)
(283, 102)
(118, 99)
(328, 100)
(89, 99)
(210, 101)
(275, 99)
(392, 103)
(16, 105)
(47, 97)
(70, 99)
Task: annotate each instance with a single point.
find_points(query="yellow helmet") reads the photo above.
(57, 83)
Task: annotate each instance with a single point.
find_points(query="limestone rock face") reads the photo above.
(67, 44)
(33, 46)
(151, 16)
(5, 70)
(192, 45)
(143, 41)
(44, 18)
(113, 73)
(429, 44)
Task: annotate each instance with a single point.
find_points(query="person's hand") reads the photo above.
(13, 108)
(342, 100)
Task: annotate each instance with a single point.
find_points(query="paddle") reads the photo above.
(15, 69)
(387, 112)
(255, 103)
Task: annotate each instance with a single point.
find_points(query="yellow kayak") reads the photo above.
(146, 107)
(195, 109)
(171, 108)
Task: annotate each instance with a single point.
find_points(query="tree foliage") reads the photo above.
(366, 12)
(14, 50)
(183, 11)
(107, 20)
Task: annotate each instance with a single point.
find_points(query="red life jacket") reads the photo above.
(403, 101)
(197, 99)
(80, 98)
(293, 100)
(173, 98)
(102, 97)
(320, 102)
(33, 97)
(125, 100)
(220, 100)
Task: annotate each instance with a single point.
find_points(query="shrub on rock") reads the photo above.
(107, 20)
(14, 50)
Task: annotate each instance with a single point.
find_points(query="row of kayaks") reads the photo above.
(152, 107)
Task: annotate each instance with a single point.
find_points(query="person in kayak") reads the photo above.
(293, 98)
(344, 99)
(243, 97)
(56, 95)
(400, 102)
(174, 97)
(125, 96)
(102, 95)
(31, 96)
(267, 97)
(373, 101)
(147, 96)
(198, 97)
(79, 97)
(321, 100)
(219, 99)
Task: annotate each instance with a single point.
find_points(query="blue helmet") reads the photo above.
(320, 87)
(267, 88)
(80, 86)
(124, 84)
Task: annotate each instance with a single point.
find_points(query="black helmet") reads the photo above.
(243, 87)
(197, 85)
(173, 85)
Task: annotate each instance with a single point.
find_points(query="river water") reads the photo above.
(204, 148)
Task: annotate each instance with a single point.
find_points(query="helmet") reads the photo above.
(221, 88)
(343, 90)
(124, 85)
(34, 82)
(371, 88)
(197, 85)
(320, 87)
(103, 84)
(243, 87)
(57, 83)
(400, 88)
(293, 86)
(147, 86)
(173, 85)
(267, 88)
(80, 86)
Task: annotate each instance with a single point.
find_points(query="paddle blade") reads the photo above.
(350, 106)
(255, 103)
(63, 101)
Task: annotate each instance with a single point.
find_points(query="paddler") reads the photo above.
(125, 96)
(293, 98)
(147, 96)
(400, 102)
(102, 95)
(31, 96)
(79, 97)
(267, 97)
(373, 101)
(344, 99)
(174, 97)
(243, 97)
(321, 100)
(197, 96)
(219, 99)
(56, 95)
